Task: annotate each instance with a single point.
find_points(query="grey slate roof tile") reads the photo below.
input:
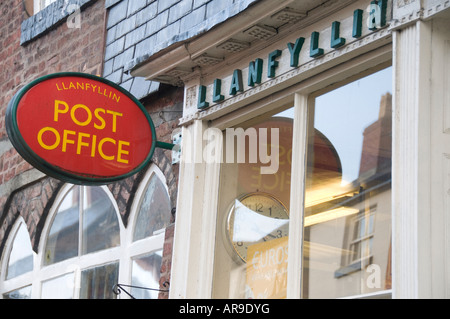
(137, 29)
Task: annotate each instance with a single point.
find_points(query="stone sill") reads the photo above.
(48, 18)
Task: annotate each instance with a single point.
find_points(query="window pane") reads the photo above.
(253, 221)
(62, 241)
(100, 222)
(154, 212)
(59, 288)
(21, 256)
(146, 273)
(98, 282)
(348, 190)
(23, 293)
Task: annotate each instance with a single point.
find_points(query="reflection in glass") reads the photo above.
(256, 218)
(251, 255)
(59, 288)
(100, 223)
(154, 212)
(348, 191)
(21, 256)
(62, 241)
(98, 282)
(23, 293)
(146, 274)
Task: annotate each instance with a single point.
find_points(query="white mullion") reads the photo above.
(298, 173)
(80, 218)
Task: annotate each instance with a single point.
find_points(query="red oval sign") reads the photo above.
(80, 128)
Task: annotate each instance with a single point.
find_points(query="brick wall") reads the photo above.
(59, 49)
(23, 190)
(165, 109)
(62, 49)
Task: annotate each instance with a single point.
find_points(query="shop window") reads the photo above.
(59, 287)
(151, 216)
(346, 248)
(22, 293)
(347, 233)
(81, 254)
(96, 282)
(253, 228)
(18, 265)
(146, 272)
(82, 246)
(85, 222)
(21, 256)
(154, 210)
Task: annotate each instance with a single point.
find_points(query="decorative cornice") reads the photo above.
(416, 14)
(379, 38)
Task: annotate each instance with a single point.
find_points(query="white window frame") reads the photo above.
(193, 264)
(305, 96)
(76, 264)
(21, 281)
(122, 254)
(143, 246)
(39, 5)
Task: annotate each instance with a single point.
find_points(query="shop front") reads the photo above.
(314, 151)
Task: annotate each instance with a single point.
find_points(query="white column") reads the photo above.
(421, 169)
(195, 225)
(297, 204)
(410, 192)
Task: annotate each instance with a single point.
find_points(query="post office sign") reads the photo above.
(80, 128)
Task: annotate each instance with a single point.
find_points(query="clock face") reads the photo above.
(255, 218)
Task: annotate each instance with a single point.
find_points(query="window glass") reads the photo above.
(98, 282)
(347, 225)
(100, 223)
(62, 241)
(99, 230)
(41, 4)
(154, 212)
(23, 293)
(253, 221)
(146, 273)
(59, 288)
(21, 256)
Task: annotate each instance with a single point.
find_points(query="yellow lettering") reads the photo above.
(81, 143)
(75, 120)
(114, 114)
(58, 110)
(94, 144)
(100, 148)
(101, 119)
(84, 143)
(66, 140)
(41, 142)
(122, 151)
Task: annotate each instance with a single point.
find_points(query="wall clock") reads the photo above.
(254, 218)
